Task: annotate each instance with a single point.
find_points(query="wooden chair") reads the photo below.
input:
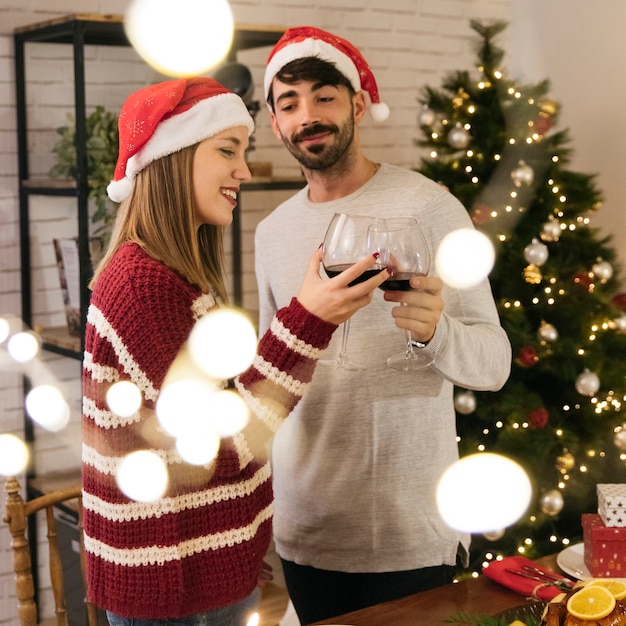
(17, 514)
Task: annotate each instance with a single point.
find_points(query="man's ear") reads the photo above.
(360, 106)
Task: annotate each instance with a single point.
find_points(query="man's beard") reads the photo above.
(322, 156)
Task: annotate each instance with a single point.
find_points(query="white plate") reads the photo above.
(572, 562)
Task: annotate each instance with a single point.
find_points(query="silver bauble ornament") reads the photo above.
(458, 137)
(465, 402)
(552, 502)
(494, 535)
(547, 332)
(551, 231)
(536, 252)
(426, 117)
(587, 383)
(619, 437)
(602, 270)
(523, 174)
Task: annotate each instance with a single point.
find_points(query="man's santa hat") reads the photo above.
(306, 41)
(161, 119)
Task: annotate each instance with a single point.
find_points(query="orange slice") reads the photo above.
(616, 586)
(591, 602)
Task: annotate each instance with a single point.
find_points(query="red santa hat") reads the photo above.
(161, 119)
(307, 41)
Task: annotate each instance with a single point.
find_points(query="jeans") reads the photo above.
(234, 615)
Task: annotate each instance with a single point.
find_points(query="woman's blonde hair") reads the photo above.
(159, 216)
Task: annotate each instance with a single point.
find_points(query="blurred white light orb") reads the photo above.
(483, 493)
(142, 476)
(182, 406)
(182, 38)
(464, 258)
(124, 398)
(13, 455)
(254, 620)
(229, 413)
(47, 406)
(24, 346)
(223, 343)
(200, 446)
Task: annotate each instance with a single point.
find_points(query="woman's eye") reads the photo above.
(227, 152)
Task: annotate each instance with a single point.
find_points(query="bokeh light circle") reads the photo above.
(464, 258)
(182, 406)
(124, 398)
(200, 446)
(13, 455)
(229, 413)
(181, 38)
(223, 343)
(47, 406)
(142, 476)
(483, 493)
(24, 346)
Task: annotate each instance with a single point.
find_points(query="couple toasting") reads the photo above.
(355, 457)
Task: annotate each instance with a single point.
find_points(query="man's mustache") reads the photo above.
(314, 130)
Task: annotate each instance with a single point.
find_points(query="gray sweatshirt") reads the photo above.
(356, 465)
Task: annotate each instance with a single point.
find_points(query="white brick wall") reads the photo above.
(408, 43)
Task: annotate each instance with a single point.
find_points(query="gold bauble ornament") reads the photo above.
(565, 462)
(532, 274)
(548, 106)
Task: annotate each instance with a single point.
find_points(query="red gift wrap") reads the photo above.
(604, 547)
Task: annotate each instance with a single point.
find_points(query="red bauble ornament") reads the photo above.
(583, 279)
(543, 124)
(527, 356)
(539, 418)
(619, 300)
(481, 213)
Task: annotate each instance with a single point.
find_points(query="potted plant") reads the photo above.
(102, 149)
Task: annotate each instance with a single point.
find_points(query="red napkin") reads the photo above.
(497, 570)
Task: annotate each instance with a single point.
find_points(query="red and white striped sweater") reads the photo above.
(201, 546)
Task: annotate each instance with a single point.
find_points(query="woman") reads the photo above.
(196, 554)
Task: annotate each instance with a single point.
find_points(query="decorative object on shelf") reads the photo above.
(66, 252)
(102, 148)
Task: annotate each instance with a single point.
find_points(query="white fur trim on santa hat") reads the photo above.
(204, 119)
(311, 48)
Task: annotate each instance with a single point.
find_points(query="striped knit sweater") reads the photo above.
(201, 545)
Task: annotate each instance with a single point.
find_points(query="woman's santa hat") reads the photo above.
(161, 119)
(306, 41)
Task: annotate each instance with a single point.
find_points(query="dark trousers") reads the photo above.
(320, 594)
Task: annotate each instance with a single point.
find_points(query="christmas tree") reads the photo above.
(492, 142)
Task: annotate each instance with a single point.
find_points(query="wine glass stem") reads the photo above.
(342, 357)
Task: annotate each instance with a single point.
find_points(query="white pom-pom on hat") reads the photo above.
(307, 41)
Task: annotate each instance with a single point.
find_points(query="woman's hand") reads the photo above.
(421, 307)
(333, 300)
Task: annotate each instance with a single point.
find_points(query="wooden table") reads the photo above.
(431, 608)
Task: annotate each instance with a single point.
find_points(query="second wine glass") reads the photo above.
(408, 257)
(349, 239)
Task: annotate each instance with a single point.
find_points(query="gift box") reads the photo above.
(604, 547)
(612, 503)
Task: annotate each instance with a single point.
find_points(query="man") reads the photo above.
(357, 464)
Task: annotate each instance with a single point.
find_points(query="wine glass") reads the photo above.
(349, 239)
(408, 257)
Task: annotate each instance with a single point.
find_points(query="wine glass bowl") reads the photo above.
(348, 239)
(408, 256)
